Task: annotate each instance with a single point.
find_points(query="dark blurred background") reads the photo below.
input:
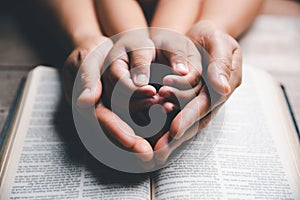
(25, 39)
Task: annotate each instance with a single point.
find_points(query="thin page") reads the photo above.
(255, 156)
(48, 160)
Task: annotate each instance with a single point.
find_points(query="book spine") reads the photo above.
(11, 113)
(291, 110)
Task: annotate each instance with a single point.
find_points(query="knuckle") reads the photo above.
(142, 57)
(139, 60)
(224, 65)
(178, 54)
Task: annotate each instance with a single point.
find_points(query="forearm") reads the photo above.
(117, 16)
(178, 15)
(76, 18)
(232, 16)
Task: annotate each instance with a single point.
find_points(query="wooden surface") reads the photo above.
(273, 44)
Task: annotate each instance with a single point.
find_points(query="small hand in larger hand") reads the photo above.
(222, 76)
(86, 62)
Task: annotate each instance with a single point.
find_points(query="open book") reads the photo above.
(256, 154)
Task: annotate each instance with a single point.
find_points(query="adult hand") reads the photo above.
(177, 51)
(222, 76)
(86, 62)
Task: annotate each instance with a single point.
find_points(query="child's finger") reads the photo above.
(139, 105)
(182, 82)
(144, 92)
(184, 59)
(140, 61)
(182, 96)
(190, 79)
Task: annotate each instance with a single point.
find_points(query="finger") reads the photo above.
(138, 105)
(192, 112)
(89, 73)
(165, 146)
(140, 61)
(145, 91)
(119, 72)
(118, 75)
(182, 96)
(220, 65)
(177, 59)
(138, 101)
(182, 82)
(169, 107)
(191, 61)
(236, 75)
(123, 133)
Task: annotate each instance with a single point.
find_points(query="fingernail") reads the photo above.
(225, 84)
(141, 79)
(180, 67)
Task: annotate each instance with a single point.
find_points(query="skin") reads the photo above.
(218, 25)
(215, 27)
(78, 22)
(121, 16)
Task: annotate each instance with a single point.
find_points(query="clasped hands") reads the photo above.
(190, 93)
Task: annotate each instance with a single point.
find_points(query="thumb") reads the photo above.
(89, 76)
(218, 74)
(140, 66)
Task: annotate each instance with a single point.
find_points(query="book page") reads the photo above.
(255, 157)
(48, 161)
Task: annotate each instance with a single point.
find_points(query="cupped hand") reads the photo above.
(127, 75)
(220, 78)
(85, 60)
(86, 63)
(179, 53)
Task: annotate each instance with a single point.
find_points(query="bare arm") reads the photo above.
(231, 16)
(76, 19)
(116, 16)
(177, 15)
(219, 22)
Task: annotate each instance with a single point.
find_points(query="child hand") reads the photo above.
(223, 75)
(178, 52)
(126, 77)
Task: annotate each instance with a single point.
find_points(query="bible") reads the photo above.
(253, 152)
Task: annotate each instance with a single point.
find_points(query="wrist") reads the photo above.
(132, 34)
(89, 41)
(211, 25)
(83, 38)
